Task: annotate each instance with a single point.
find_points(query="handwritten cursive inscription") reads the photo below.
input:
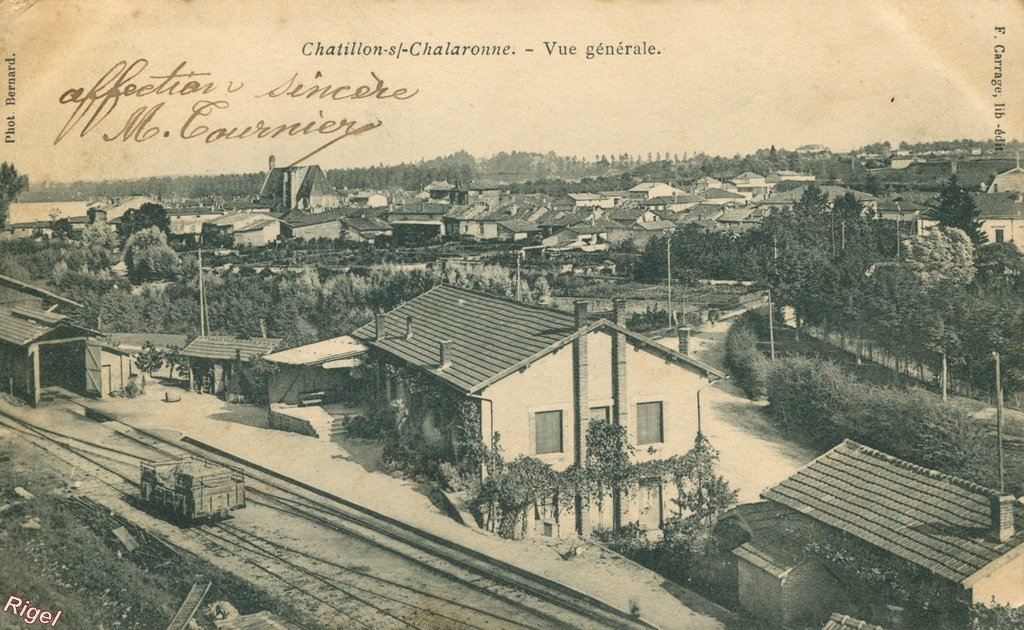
(209, 119)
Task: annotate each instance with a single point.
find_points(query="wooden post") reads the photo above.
(945, 377)
(34, 353)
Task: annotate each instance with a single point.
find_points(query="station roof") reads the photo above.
(320, 352)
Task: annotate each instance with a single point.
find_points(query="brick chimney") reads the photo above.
(580, 309)
(380, 327)
(684, 340)
(620, 393)
(580, 410)
(408, 327)
(445, 354)
(1001, 507)
(619, 311)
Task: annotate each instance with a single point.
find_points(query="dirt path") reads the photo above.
(754, 455)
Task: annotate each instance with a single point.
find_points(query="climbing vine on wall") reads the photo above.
(400, 424)
(514, 488)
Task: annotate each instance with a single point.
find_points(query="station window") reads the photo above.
(650, 427)
(548, 432)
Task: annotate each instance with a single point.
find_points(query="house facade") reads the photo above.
(536, 377)
(1001, 216)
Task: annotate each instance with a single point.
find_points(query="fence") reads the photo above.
(923, 372)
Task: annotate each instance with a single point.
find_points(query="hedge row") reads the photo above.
(746, 363)
(820, 404)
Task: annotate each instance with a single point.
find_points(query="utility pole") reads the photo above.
(999, 421)
(202, 297)
(897, 234)
(519, 293)
(945, 377)
(771, 324)
(668, 242)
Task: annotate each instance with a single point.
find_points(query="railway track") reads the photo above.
(477, 591)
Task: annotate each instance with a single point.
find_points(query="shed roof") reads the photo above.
(35, 291)
(933, 520)
(21, 325)
(490, 336)
(319, 352)
(227, 347)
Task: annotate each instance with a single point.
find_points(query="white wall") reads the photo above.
(547, 385)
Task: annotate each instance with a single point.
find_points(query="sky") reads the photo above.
(729, 78)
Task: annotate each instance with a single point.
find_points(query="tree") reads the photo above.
(11, 185)
(149, 257)
(956, 208)
(99, 246)
(150, 359)
(943, 255)
(62, 229)
(145, 216)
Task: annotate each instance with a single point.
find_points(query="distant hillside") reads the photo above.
(554, 174)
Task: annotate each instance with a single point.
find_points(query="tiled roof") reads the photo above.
(369, 224)
(768, 559)
(20, 330)
(225, 347)
(35, 291)
(673, 199)
(518, 225)
(999, 205)
(833, 192)
(935, 521)
(839, 621)
(652, 226)
(259, 225)
(421, 208)
(627, 213)
(489, 335)
(302, 219)
(21, 325)
(718, 193)
(465, 212)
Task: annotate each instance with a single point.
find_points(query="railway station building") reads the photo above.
(536, 377)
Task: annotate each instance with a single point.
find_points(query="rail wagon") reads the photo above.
(192, 489)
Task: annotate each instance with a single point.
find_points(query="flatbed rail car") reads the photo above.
(192, 489)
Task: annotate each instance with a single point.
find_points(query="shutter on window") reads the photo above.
(533, 433)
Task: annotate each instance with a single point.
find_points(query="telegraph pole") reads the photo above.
(202, 297)
(945, 377)
(999, 421)
(771, 324)
(519, 295)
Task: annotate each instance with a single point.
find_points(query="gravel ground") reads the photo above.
(355, 475)
(754, 455)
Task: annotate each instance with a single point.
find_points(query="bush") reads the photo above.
(744, 360)
(819, 403)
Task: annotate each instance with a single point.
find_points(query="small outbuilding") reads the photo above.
(216, 362)
(325, 371)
